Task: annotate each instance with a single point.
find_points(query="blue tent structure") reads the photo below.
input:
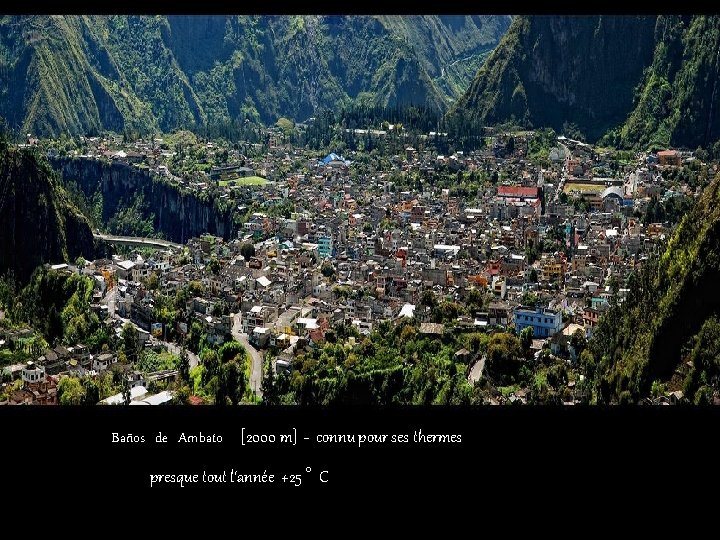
(332, 156)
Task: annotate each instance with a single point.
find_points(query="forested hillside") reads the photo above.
(634, 81)
(84, 74)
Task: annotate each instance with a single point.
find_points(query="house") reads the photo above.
(102, 362)
(432, 329)
(591, 317)
(544, 322)
(124, 269)
(37, 389)
(669, 157)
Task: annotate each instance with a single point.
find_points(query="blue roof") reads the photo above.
(332, 157)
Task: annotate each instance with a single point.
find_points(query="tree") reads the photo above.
(232, 383)
(130, 341)
(474, 299)
(526, 337)
(529, 299)
(214, 265)
(327, 269)
(533, 276)
(92, 392)
(182, 395)
(211, 363)
(70, 391)
(55, 326)
(152, 282)
(126, 391)
(231, 351)
(268, 386)
(578, 341)
(504, 357)
(428, 298)
(184, 365)
(247, 250)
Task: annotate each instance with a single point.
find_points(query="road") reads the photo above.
(255, 355)
(477, 370)
(177, 349)
(136, 241)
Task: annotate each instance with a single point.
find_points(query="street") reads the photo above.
(177, 349)
(477, 370)
(255, 356)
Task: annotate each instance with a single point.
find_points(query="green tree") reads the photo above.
(232, 383)
(211, 363)
(126, 391)
(526, 337)
(327, 269)
(70, 391)
(428, 299)
(55, 325)
(504, 357)
(92, 391)
(214, 265)
(231, 350)
(578, 341)
(268, 387)
(184, 365)
(474, 299)
(152, 282)
(130, 341)
(247, 250)
(182, 395)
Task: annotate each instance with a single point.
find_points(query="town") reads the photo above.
(512, 251)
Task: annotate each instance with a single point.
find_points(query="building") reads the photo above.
(37, 389)
(669, 157)
(552, 270)
(591, 317)
(325, 246)
(544, 322)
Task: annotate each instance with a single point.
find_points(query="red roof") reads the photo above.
(667, 153)
(518, 191)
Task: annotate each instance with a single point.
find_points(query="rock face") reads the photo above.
(38, 224)
(637, 80)
(549, 70)
(178, 215)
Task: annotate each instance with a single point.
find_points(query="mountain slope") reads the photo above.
(673, 305)
(548, 70)
(643, 81)
(82, 74)
(678, 100)
(37, 221)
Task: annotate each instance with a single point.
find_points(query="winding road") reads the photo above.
(255, 356)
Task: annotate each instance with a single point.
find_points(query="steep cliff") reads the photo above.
(639, 81)
(177, 214)
(38, 224)
(678, 100)
(549, 70)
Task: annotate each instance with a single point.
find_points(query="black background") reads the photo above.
(505, 451)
